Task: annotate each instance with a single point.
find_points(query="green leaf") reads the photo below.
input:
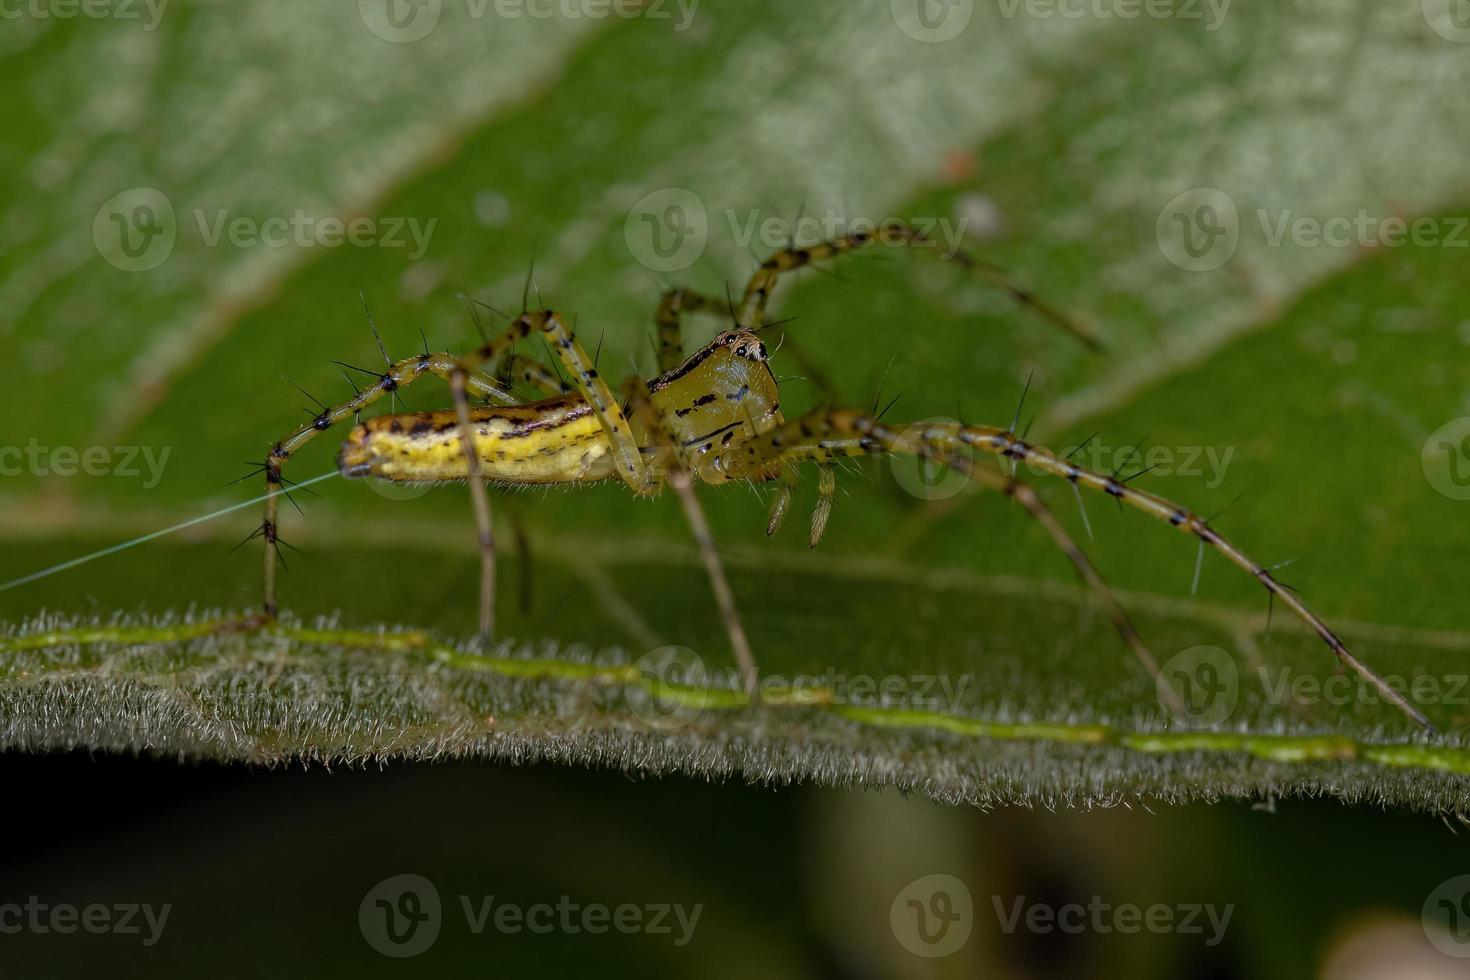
(1309, 376)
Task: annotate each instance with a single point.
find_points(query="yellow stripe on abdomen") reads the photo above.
(556, 441)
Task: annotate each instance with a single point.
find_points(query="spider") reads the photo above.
(712, 417)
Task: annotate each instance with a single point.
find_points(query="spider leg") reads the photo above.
(675, 468)
(671, 307)
(751, 314)
(831, 433)
(481, 502)
(519, 367)
(826, 491)
(1023, 494)
(511, 366)
(396, 376)
(787, 485)
(627, 458)
(629, 462)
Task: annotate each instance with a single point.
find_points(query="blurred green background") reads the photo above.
(1164, 173)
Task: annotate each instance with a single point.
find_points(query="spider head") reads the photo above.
(743, 344)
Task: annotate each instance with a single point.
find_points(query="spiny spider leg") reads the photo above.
(1026, 496)
(628, 462)
(826, 491)
(671, 306)
(519, 367)
(1023, 494)
(480, 500)
(831, 433)
(516, 367)
(397, 375)
(671, 462)
(752, 310)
